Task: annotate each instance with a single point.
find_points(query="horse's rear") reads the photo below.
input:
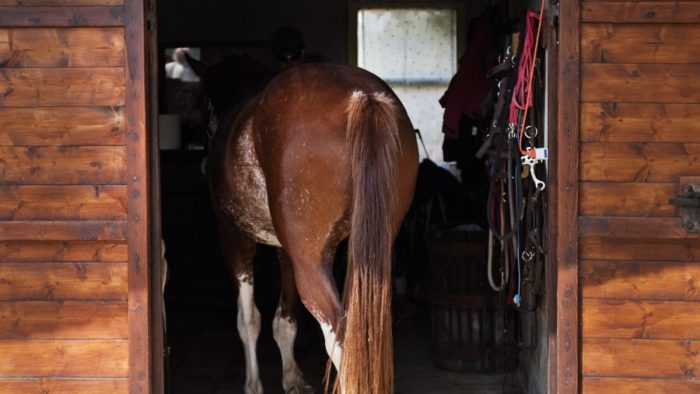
(337, 156)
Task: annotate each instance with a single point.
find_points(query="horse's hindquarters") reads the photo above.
(240, 189)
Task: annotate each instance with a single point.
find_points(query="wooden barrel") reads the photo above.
(467, 328)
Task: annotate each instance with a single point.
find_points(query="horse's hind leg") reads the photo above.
(239, 251)
(313, 273)
(285, 330)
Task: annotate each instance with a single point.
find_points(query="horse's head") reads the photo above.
(230, 81)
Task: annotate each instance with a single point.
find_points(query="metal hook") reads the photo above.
(530, 162)
(529, 133)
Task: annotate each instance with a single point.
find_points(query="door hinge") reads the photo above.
(554, 19)
(150, 16)
(689, 207)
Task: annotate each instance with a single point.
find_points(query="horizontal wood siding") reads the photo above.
(626, 199)
(633, 11)
(64, 316)
(640, 83)
(63, 230)
(640, 358)
(30, 202)
(62, 47)
(62, 87)
(91, 358)
(98, 165)
(57, 3)
(638, 162)
(62, 251)
(640, 319)
(63, 281)
(617, 386)
(63, 320)
(645, 280)
(62, 16)
(640, 134)
(64, 386)
(634, 227)
(634, 122)
(663, 43)
(62, 126)
(645, 249)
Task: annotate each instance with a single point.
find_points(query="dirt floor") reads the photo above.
(214, 364)
(207, 356)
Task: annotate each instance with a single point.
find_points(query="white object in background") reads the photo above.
(169, 131)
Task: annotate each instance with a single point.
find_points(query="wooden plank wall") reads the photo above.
(64, 255)
(639, 133)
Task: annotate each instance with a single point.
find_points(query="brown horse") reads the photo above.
(322, 153)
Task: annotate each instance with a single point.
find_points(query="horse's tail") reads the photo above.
(373, 135)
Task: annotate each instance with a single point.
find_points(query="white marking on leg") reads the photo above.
(284, 331)
(332, 345)
(249, 329)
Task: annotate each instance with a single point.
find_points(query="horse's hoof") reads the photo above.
(254, 388)
(302, 389)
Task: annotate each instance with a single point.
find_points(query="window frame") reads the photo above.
(355, 6)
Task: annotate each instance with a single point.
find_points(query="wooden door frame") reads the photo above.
(158, 340)
(145, 331)
(144, 336)
(563, 271)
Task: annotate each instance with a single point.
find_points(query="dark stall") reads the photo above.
(468, 265)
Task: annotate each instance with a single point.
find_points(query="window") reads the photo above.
(415, 51)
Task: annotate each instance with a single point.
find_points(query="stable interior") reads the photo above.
(453, 334)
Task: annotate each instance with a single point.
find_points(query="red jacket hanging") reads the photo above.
(470, 86)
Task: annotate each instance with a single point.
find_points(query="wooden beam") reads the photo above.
(101, 16)
(563, 368)
(551, 273)
(158, 337)
(566, 368)
(138, 177)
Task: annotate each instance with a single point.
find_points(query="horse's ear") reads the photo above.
(198, 67)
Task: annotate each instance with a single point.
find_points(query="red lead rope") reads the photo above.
(522, 92)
